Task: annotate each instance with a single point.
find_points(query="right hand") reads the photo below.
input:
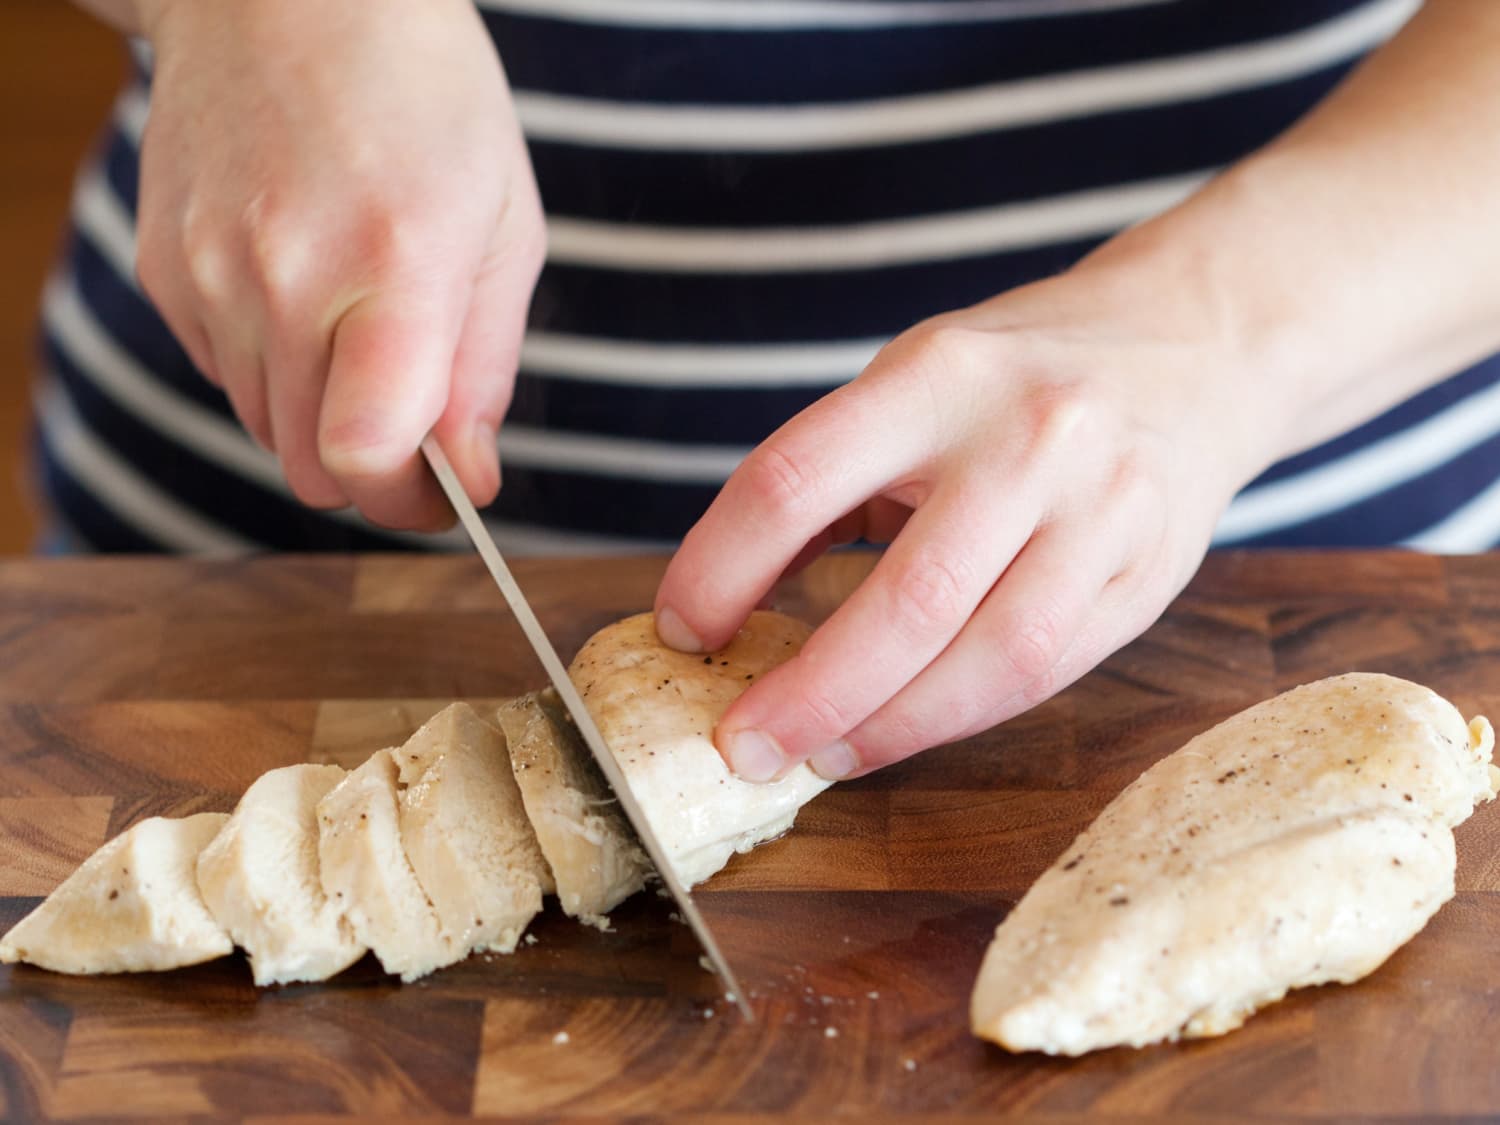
(339, 223)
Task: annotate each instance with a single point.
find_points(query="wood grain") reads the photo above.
(45, 838)
(139, 687)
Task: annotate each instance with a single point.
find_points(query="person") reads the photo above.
(1115, 277)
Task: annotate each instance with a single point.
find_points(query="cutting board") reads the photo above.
(136, 687)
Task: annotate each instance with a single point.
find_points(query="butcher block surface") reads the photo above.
(139, 687)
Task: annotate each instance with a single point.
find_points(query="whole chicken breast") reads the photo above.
(1299, 842)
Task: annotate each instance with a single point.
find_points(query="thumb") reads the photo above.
(388, 381)
(484, 376)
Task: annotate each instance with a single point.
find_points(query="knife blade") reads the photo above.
(484, 543)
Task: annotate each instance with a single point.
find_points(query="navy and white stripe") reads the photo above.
(746, 198)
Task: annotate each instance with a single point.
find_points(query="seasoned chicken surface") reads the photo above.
(1300, 842)
(657, 709)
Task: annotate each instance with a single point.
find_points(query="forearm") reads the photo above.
(1351, 262)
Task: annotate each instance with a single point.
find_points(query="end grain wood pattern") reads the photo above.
(148, 686)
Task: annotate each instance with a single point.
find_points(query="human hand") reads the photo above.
(1048, 468)
(338, 221)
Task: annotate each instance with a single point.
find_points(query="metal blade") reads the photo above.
(484, 543)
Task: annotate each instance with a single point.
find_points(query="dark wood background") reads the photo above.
(145, 686)
(59, 72)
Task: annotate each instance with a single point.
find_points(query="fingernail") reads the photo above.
(674, 633)
(754, 756)
(835, 761)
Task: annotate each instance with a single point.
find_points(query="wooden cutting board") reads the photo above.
(139, 687)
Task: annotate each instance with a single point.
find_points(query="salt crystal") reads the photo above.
(830, 1033)
(561, 1037)
(708, 1013)
(873, 995)
(910, 1064)
(530, 939)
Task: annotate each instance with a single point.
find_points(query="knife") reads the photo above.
(484, 543)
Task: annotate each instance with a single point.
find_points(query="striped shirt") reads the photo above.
(745, 199)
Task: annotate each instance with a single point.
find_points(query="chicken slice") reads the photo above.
(364, 869)
(586, 839)
(259, 878)
(657, 709)
(465, 832)
(133, 906)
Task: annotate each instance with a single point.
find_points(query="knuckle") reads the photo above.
(780, 483)
(931, 592)
(1131, 485)
(826, 714)
(392, 241)
(1032, 643)
(1073, 419)
(282, 261)
(206, 257)
(908, 732)
(1040, 688)
(946, 343)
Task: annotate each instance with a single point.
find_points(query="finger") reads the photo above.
(294, 390)
(193, 339)
(915, 601)
(879, 521)
(169, 295)
(484, 375)
(1028, 639)
(244, 384)
(388, 380)
(822, 464)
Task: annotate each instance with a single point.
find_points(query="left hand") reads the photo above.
(1048, 468)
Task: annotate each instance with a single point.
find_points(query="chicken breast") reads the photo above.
(363, 868)
(657, 709)
(1300, 842)
(133, 906)
(260, 880)
(584, 836)
(466, 834)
